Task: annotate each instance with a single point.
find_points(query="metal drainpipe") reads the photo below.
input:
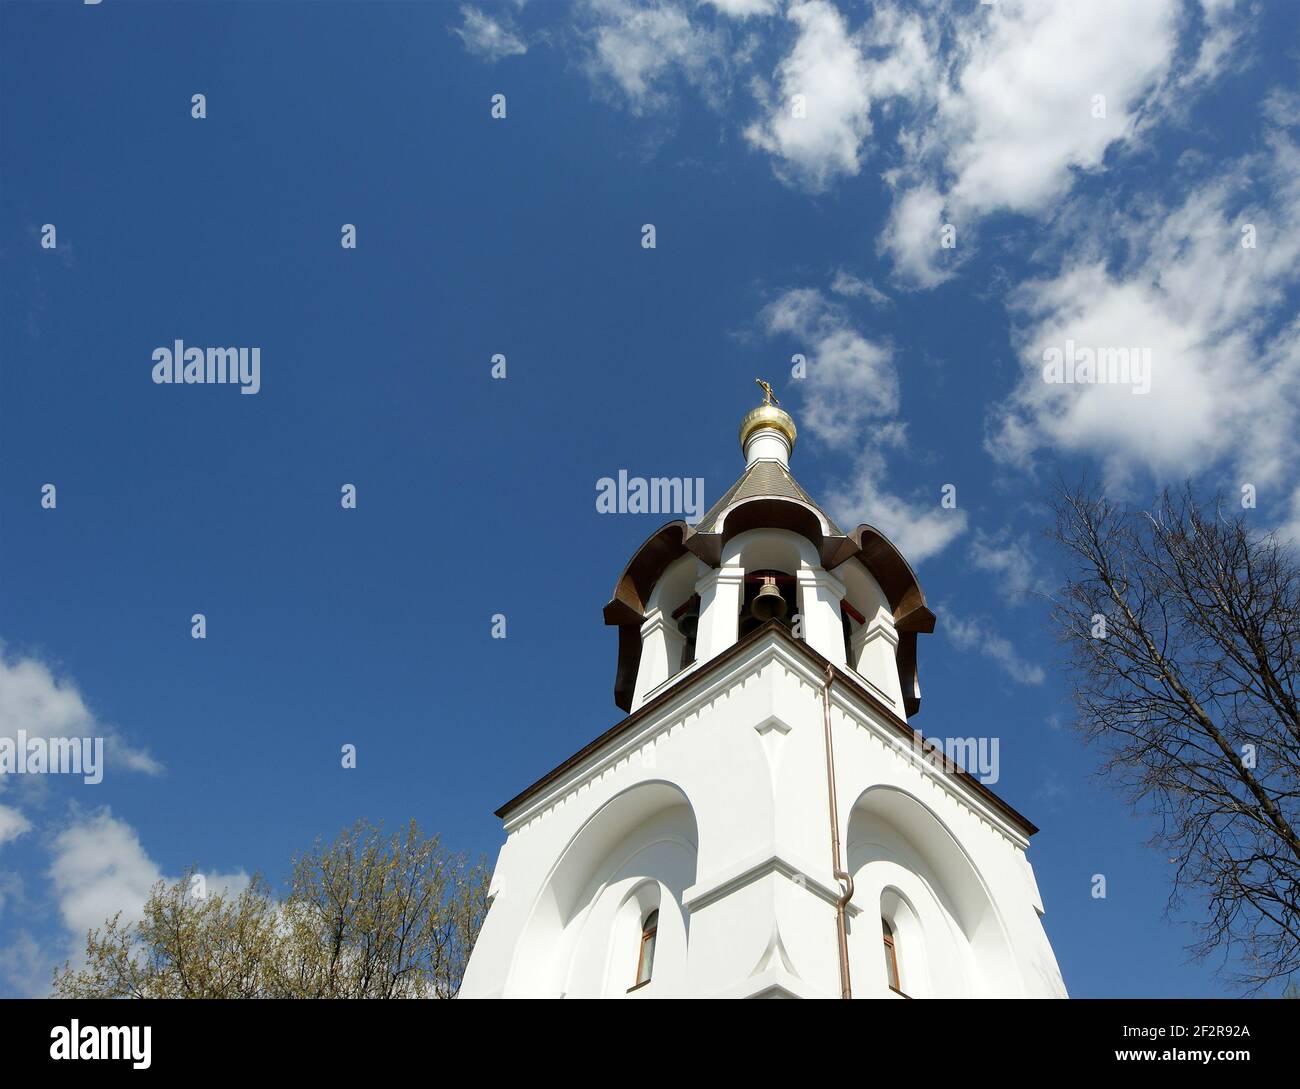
(846, 882)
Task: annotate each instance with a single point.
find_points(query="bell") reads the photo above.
(768, 603)
(689, 624)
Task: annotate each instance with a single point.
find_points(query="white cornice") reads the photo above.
(695, 694)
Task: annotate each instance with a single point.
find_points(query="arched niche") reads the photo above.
(642, 839)
(911, 954)
(769, 550)
(676, 584)
(675, 588)
(897, 847)
(870, 638)
(642, 899)
(863, 592)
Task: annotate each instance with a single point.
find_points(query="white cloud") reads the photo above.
(744, 9)
(902, 52)
(34, 700)
(12, 824)
(100, 868)
(826, 69)
(1022, 97)
(851, 402)
(1222, 40)
(1224, 344)
(854, 287)
(1022, 113)
(851, 381)
(919, 529)
(912, 238)
(25, 967)
(486, 37)
(981, 636)
(1000, 105)
(638, 47)
(1011, 558)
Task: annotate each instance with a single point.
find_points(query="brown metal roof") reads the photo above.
(762, 480)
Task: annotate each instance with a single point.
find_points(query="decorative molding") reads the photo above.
(654, 621)
(703, 893)
(683, 708)
(774, 983)
(822, 579)
(878, 628)
(771, 732)
(773, 723)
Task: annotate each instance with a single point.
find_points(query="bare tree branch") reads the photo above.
(1190, 693)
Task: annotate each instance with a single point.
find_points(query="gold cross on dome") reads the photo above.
(769, 398)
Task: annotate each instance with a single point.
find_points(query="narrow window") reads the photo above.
(891, 956)
(646, 960)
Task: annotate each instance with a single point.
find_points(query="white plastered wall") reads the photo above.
(719, 798)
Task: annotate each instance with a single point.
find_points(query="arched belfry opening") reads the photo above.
(769, 594)
(687, 618)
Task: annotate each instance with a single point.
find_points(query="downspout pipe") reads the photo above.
(841, 875)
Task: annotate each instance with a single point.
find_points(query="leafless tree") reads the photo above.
(1182, 624)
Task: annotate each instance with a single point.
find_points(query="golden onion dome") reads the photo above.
(767, 415)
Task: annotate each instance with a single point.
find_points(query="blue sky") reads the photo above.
(775, 235)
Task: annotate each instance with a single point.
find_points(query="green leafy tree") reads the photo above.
(367, 916)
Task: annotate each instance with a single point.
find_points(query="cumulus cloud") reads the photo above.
(851, 402)
(1026, 111)
(821, 113)
(851, 381)
(920, 528)
(486, 37)
(12, 825)
(99, 868)
(912, 238)
(1000, 106)
(980, 636)
(1031, 92)
(1211, 311)
(34, 700)
(639, 49)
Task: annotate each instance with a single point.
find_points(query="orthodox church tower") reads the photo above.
(764, 822)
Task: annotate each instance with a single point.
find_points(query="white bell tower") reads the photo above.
(764, 822)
